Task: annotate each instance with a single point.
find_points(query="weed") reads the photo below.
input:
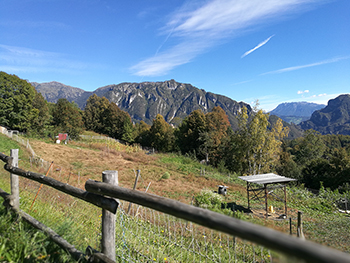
(166, 175)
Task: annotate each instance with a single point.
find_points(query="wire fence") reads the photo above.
(146, 235)
(142, 234)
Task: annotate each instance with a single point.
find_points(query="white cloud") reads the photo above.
(301, 92)
(332, 60)
(20, 59)
(198, 26)
(258, 46)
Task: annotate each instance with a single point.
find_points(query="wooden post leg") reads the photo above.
(266, 201)
(285, 200)
(108, 220)
(248, 195)
(14, 180)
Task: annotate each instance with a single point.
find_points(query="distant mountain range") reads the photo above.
(174, 101)
(296, 112)
(143, 101)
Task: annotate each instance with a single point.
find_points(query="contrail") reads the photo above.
(258, 46)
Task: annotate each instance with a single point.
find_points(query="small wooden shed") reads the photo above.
(269, 181)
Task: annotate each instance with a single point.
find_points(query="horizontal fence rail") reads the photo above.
(102, 195)
(107, 204)
(98, 200)
(292, 246)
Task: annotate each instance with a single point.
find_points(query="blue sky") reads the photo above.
(273, 51)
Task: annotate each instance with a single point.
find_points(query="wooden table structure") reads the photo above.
(270, 181)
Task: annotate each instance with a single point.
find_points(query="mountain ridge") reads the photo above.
(296, 112)
(333, 119)
(143, 101)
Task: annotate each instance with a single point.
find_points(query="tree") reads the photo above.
(189, 132)
(67, 117)
(161, 135)
(311, 147)
(257, 147)
(94, 113)
(128, 131)
(106, 117)
(16, 102)
(142, 131)
(41, 121)
(217, 124)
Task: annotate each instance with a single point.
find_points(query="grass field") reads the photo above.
(168, 175)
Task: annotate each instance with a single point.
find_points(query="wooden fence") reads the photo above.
(103, 194)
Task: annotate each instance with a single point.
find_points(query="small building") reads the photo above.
(62, 137)
(269, 181)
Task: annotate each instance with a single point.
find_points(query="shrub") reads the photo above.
(208, 199)
(166, 175)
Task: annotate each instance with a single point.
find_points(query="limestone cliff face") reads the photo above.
(143, 101)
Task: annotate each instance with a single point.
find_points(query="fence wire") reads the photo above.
(142, 234)
(146, 235)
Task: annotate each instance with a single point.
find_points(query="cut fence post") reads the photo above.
(108, 219)
(300, 233)
(14, 180)
(135, 184)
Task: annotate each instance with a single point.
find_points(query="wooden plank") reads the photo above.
(292, 246)
(106, 203)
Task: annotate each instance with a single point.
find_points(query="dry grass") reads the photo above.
(89, 160)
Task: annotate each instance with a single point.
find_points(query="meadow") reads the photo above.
(169, 175)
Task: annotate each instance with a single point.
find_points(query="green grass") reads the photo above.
(20, 242)
(70, 219)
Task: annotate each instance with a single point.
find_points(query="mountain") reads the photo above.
(296, 112)
(143, 101)
(333, 119)
(52, 91)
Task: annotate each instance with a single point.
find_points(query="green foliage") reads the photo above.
(315, 158)
(16, 102)
(189, 132)
(67, 118)
(25, 244)
(105, 117)
(255, 147)
(208, 199)
(166, 175)
(161, 135)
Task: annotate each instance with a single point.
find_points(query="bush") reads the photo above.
(208, 199)
(166, 175)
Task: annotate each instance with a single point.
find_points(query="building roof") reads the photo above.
(269, 178)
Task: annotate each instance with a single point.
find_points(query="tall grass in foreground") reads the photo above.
(20, 242)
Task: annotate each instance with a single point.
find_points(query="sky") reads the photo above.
(269, 51)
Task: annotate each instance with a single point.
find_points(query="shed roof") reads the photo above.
(269, 178)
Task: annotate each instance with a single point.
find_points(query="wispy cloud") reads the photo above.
(198, 26)
(20, 59)
(302, 92)
(258, 46)
(332, 60)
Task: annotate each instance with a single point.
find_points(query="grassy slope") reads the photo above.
(89, 159)
(20, 242)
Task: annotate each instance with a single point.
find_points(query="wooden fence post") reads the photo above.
(300, 233)
(135, 184)
(14, 180)
(108, 220)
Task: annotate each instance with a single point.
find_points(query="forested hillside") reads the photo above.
(333, 119)
(258, 145)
